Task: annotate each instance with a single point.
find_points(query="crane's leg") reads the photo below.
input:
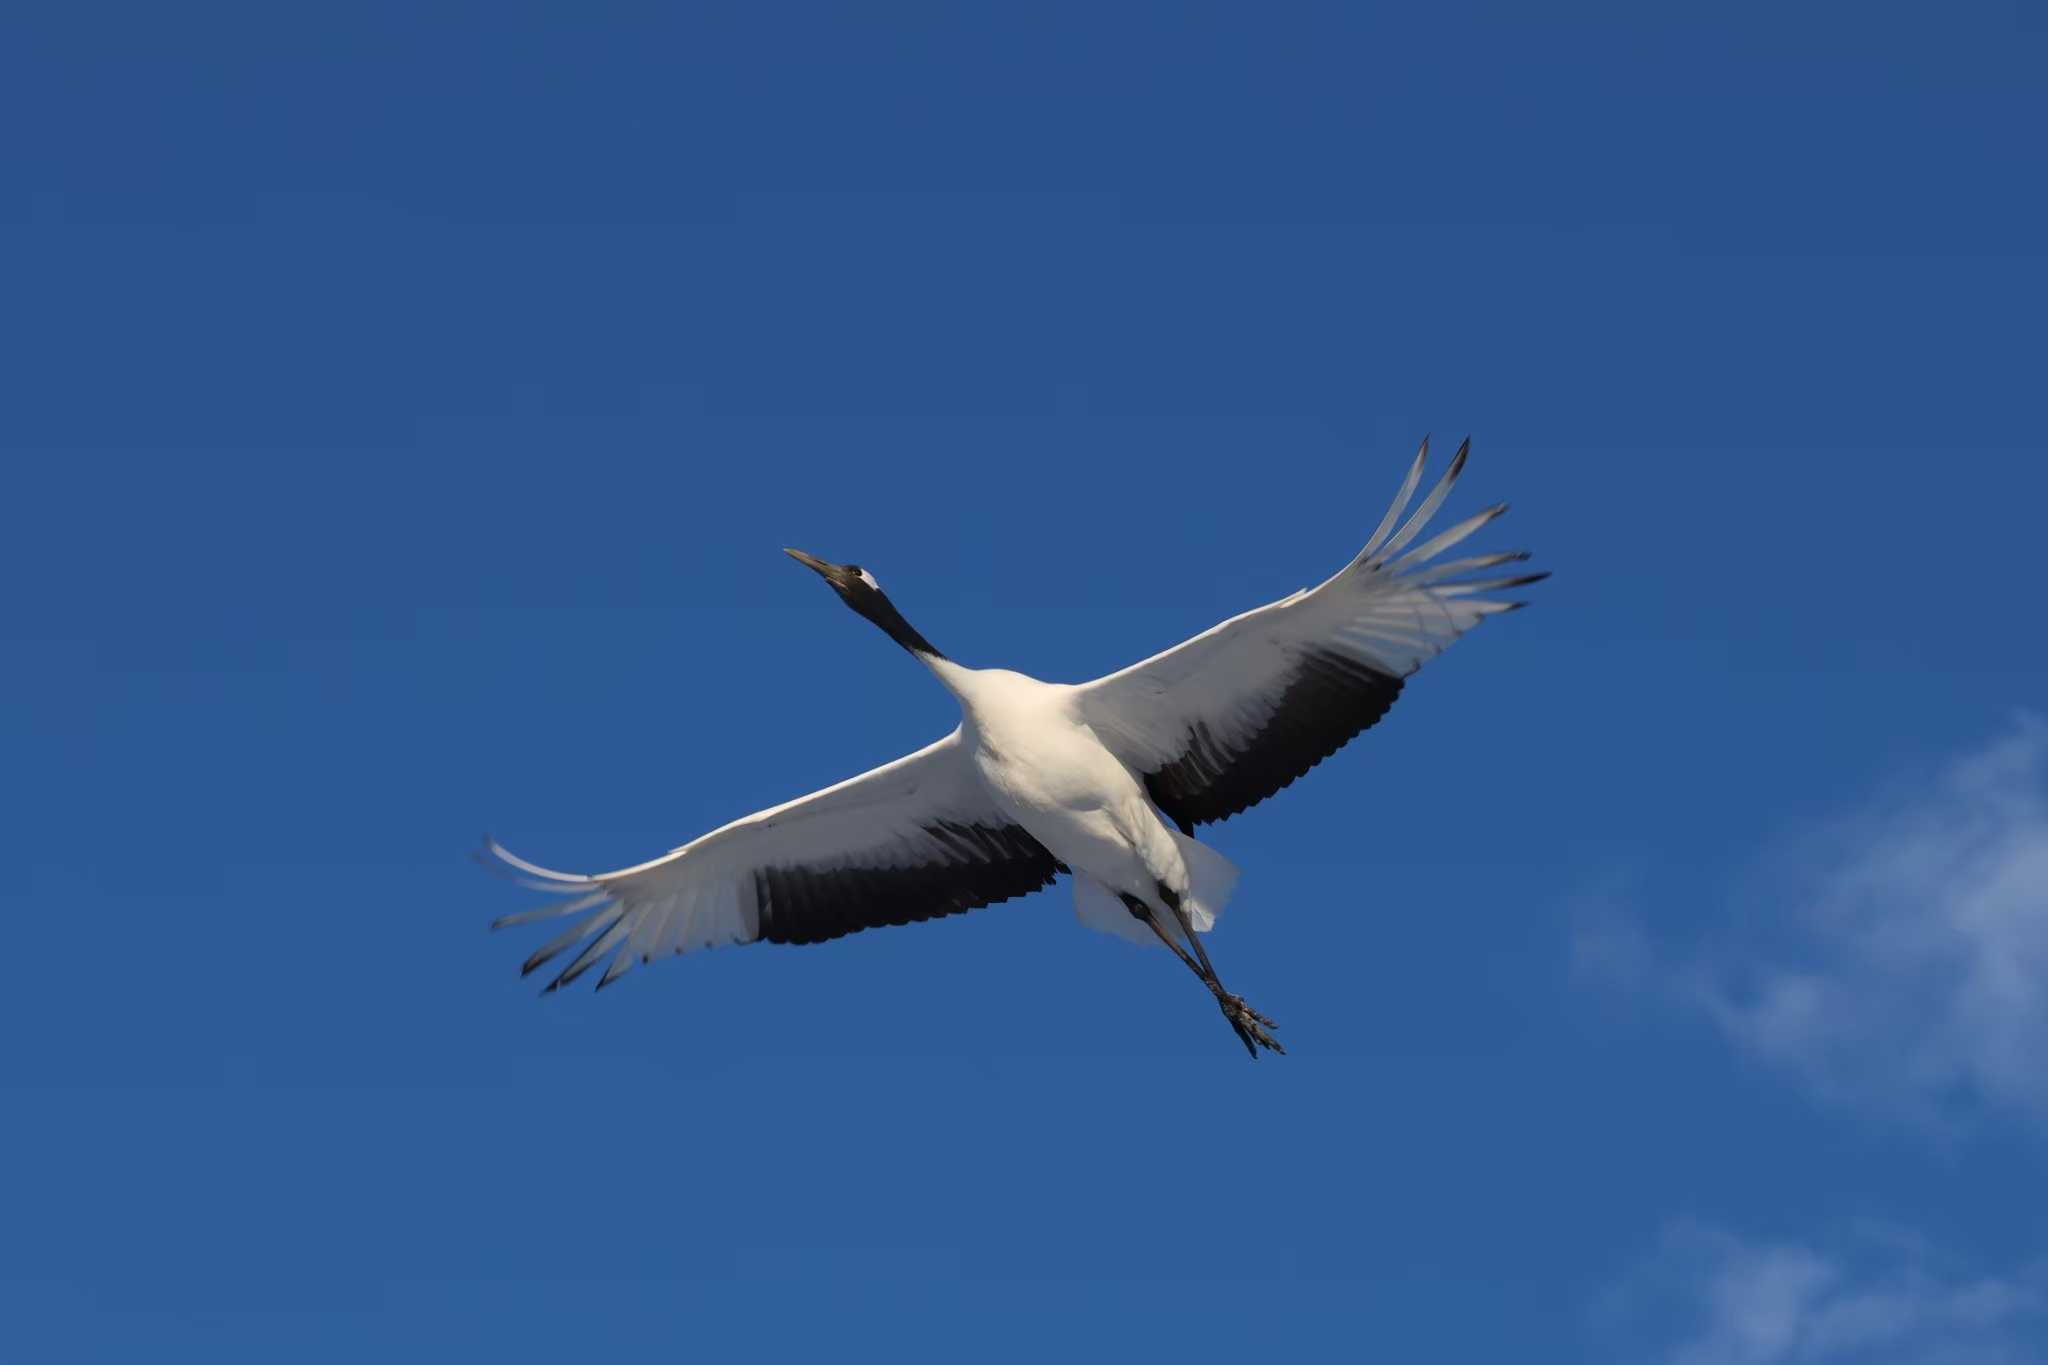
(1250, 1025)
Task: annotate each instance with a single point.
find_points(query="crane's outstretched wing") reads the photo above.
(908, 841)
(1224, 720)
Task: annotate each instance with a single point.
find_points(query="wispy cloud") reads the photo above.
(1903, 961)
(1710, 1297)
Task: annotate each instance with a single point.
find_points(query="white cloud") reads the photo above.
(1710, 1297)
(1901, 961)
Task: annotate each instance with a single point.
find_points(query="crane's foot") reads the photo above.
(1251, 1026)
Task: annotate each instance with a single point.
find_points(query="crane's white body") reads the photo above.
(1043, 765)
(1040, 778)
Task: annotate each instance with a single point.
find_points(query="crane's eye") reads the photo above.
(865, 577)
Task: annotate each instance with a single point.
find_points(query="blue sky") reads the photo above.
(405, 409)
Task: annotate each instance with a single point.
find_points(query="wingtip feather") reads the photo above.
(1415, 523)
(507, 856)
(1409, 484)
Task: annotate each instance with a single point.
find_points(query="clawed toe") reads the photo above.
(1251, 1026)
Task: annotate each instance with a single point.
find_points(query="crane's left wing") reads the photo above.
(908, 841)
(1224, 720)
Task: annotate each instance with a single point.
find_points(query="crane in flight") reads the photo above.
(1105, 780)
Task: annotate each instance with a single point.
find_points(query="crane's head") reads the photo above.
(850, 581)
(858, 589)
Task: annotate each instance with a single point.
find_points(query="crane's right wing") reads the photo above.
(908, 841)
(1224, 720)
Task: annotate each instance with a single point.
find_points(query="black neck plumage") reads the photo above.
(883, 613)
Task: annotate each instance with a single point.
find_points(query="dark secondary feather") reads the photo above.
(1328, 699)
(986, 864)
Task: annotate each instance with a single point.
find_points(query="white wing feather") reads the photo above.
(1217, 696)
(926, 818)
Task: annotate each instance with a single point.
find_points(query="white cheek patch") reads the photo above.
(869, 579)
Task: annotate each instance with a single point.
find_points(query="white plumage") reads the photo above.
(1105, 779)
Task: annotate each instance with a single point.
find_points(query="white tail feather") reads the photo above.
(1096, 906)
(1211, 879)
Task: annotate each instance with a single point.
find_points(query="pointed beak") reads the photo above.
(809, 561)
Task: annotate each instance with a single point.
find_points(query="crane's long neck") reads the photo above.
(883, 613)
(956, 678)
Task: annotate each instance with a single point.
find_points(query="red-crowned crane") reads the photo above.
(1105, 780)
